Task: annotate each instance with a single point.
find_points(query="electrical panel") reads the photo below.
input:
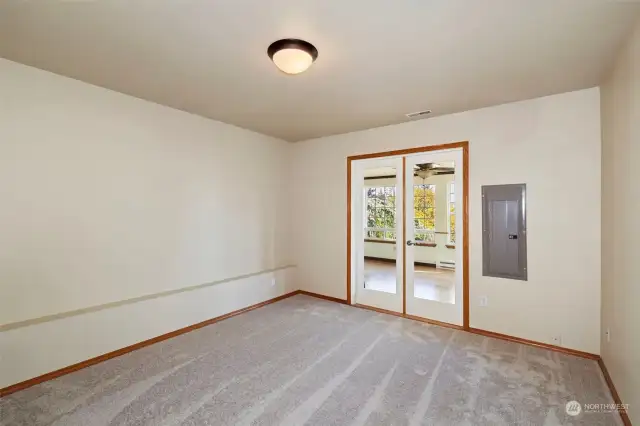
(504, 231)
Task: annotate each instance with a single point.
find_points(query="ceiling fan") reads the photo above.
(425, 171)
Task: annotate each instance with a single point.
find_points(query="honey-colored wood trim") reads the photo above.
(322, 296)
(425, 244)
(404, 235)
(465, 232)
(409, 151)
(407, 316)
(534, 343)
(465, 216)
(93, 361)
(488, 334)
(84, 364)
(614, 393)
(348, 231)
(485, 333)
(450, 246)
(369, 240)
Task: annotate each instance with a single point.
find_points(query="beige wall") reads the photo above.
(539, 142)
(105, 197)
(621, 224)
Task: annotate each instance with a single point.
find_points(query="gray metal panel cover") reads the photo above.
(504, 239)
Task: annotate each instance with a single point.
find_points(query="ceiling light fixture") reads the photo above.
(291, 55)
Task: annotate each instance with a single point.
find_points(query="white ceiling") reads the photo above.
(378, 59)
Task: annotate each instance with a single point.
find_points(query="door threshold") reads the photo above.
(411, 317)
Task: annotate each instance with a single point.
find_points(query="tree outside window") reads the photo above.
(452, 212)
(424, 212)
(381, 213)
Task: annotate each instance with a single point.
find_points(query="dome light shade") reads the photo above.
(292, 56)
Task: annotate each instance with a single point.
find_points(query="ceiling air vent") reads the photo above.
(419, 113)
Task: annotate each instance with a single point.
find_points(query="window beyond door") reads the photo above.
(381, 210)
(451, 208)
(424, 206)
(380, 213)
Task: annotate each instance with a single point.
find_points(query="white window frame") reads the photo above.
(374, 229)
(451, 190)
(430, 233)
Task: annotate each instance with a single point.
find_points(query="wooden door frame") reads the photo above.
(465, 217)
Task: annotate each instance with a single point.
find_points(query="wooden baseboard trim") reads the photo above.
(322, 296)
(534, 343)
(486, 333)
(84, 364)
(614, 393)
(411, 317)
(616, 397)
(88, 363)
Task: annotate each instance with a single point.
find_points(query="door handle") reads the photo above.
(410, 243)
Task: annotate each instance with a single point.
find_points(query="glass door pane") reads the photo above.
(433, 270)
(429, 231)
(377, 202)
(380, 186)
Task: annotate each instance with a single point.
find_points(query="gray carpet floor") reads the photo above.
(305, 361)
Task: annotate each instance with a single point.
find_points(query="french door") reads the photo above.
(434, 236)
(377, 193)
(407, 234)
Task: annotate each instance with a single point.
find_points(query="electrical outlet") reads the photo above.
(608, 334)
(273, 281)
(557, 340)
(484, 301)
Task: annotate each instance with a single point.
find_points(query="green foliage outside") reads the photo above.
(452, 222)
(381, 209)
(424, 211)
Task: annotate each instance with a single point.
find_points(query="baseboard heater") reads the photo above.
(447, 264)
